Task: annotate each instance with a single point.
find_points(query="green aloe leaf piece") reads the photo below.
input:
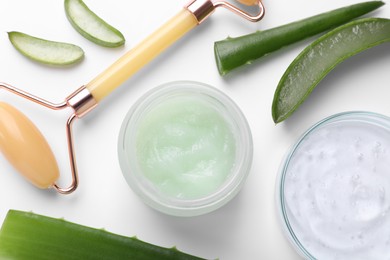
(320, 57)
(45, 51)
(232, 53)
(91, 26)
(26, 236)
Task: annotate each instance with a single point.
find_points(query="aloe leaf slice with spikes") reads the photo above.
(232, 53)
(26, 235)
(91, 26)
(45, 51)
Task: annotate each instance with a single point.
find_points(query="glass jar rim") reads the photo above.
(361, 116)
(138, 182)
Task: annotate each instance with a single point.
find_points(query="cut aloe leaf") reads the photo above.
(320, 57)
(26, 236)
(232, 53)
(45, 51)
(91, 26)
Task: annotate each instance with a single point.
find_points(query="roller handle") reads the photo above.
(195, 12)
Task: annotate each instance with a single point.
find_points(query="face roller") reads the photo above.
(17, 132)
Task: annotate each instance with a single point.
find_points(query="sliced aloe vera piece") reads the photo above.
(91, 26)
(320, 57)
(26, 236)
(45, 51)
(232, 53)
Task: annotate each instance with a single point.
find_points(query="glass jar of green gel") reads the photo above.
(185, 148)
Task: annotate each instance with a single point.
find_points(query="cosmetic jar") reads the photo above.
(185, 148)
(333, 189)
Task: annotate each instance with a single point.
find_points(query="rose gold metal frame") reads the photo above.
(81, 101)
(202, 9)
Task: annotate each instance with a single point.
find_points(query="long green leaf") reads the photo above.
(26, 236)
(234, 52)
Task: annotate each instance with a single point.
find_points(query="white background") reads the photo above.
(246, 228)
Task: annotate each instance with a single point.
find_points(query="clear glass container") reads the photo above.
(150, 139)
(333, 188)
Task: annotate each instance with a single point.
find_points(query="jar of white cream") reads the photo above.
(333, 190)
(185, 148)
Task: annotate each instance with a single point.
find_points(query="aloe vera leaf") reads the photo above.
(26, 236)
(45, 51)
(234, 52)
(320, 57)
(91, 26)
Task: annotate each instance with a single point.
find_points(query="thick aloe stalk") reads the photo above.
(234, 52)
(25, 235)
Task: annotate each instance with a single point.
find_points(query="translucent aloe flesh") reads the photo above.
(26, 236)
(91, 26)
(323, 55)
(45, 51)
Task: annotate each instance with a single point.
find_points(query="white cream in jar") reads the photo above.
(334, 189)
